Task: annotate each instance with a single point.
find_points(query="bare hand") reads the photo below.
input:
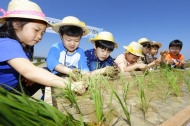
(163, 53)
(142, 66)
(78, 87)
(76, 74)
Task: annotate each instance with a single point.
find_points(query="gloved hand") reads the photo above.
(76, 75)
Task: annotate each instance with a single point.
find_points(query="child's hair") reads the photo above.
(152, 46)
(146, 45)
(73, 31)
(104, 45)
(176, 43)
(7, 31)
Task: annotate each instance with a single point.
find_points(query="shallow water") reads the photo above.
(156, 88)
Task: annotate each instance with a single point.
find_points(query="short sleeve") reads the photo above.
(83, 62)
(10, 49)
(52, 59)
(121, 62)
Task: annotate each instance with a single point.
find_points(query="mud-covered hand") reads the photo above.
(78, 87)
(76, 75)
(111, 71)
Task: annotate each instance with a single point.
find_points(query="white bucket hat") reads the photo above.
(156, 43)
(134, 48)
(71, 20)
(144, 40)
(23, 9)
(104, 35)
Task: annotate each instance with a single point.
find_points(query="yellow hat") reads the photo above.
(104, 35)
(23, 9)
(134, 48)
(71, 20)
(144, 40)
(156, 43)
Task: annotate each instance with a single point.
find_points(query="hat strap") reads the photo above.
(4, 12)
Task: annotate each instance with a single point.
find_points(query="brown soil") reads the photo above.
(159, 110)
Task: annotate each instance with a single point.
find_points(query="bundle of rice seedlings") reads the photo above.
(21, 110)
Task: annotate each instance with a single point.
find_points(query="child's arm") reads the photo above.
(42, 76)
(135, 66)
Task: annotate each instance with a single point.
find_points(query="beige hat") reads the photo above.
(104, 35)
(156, 43)
(144, 40)
(23, 9)
(134, 48)
(71, 20)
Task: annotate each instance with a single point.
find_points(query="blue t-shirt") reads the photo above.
(9, 49)
(90, 56)
(57, 55)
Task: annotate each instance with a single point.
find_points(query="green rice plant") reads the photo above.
(18, 111)
(144, 104)
(97, 95)
(69, 95)
(187, 81)
(166, 96)
(124, 107)
(173, 83)
(125, 88)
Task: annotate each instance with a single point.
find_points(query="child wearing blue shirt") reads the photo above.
(99, 57)
(65, 56)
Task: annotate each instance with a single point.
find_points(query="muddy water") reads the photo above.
(160, 108)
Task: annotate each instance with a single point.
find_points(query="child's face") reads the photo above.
(102, 54)
(154, 50)
(31, 33)
(131, 58)
(71, 43)
(174, 50)
(145, 50)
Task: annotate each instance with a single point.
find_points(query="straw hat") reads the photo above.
(71, 20)
(23, 9)
(134, 48)
(156, 43)
(144, 40)
(104, 35)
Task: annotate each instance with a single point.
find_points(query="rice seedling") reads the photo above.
(173, 83)
(124, 107)
(96, 94)
(69, 95)
(187, 81)
(144, 104)
(19, 111)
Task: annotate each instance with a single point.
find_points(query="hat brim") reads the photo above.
(57, 26)
(126, 47)
(157, 43)
(3, 20)
(96, 39)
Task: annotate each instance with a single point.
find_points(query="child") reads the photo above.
(174, 58)
(154, 50)
(23, 26)
(65, 56)
(146, 48)
(99, 57)
(128, 62)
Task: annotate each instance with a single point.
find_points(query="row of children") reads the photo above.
(23, 26)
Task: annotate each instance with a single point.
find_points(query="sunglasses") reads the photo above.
(146, 45)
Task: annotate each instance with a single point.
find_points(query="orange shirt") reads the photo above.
(177, 59)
